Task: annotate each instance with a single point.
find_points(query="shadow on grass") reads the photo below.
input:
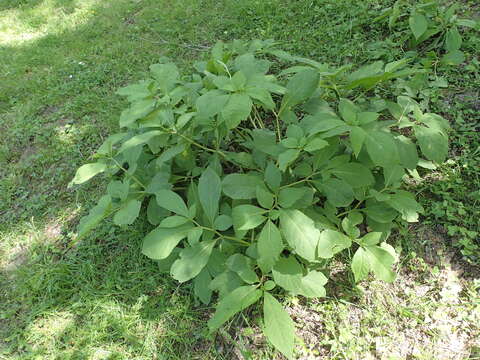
(103, 295)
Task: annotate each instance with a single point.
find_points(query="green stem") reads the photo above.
(258, 117)
(300, 181)
(193, 142)
(277, 125)
(252, 122)
(127, 173)
(349, 211)
(220, 234)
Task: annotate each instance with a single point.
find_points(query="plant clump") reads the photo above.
(260, 168)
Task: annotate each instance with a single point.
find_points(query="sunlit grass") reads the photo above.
(34, 20)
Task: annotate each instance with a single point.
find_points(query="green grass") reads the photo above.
(61, 62)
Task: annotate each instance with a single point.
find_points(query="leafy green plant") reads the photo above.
(430, 28)
(255, 179)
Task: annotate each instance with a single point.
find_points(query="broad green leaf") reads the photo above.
(159, 243)
(236, 301)
(246, 217)
(166, 75)
(170, 200)
(95, 216)
(211, 103)
(273, 176)
(250, 66)
(433, 143)
(201, 286)
(261, 95)
(348, 110)
(295, 197)
(192, 260)
(453, 40)
(170, 153)
(360, 264)
(224, 83)
(468, 23)
(269, 285)
(435, 122)
(393, 174)
(418, 24)
(366, 76)
(332, 242)
(405, 204)
(357, 138)
(300, 87)
(184, 119)
(137, 111)
(320, 122)
(86, 172)
(236, 110)
(118, 189)
(315, 144)
(349, 224)
(173, 221)
(453, 58)
(300, 232)
(135, 92)
(269, 246)
(313, 284)
(243, 267)
(355, 174)
(381, 262)
(164, 265)
(338, 192)
(127, 213)
(379, 196)
(367, 117)
(223, 222)
(265, 141)
(407, 152)
(264, 197)
(155, 213)
(209, 191)
(372, 238)
(380, 212)
(241, 158)
(107, 147)
(286, 158)
(225, 283)
(290, 143)
(194, 236)
(279, 327)
(288, 274)
(294, 131)
(381, 148)
(241, 186)
(139, 140)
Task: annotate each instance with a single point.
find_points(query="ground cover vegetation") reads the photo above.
(274, 173)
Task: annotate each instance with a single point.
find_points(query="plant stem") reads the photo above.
(300, 181)
(220, 234)
(127, 173)
(258, 117)
(349, 211)
(193, 142)
(277, 126)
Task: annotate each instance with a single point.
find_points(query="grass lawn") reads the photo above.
(61, 62)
